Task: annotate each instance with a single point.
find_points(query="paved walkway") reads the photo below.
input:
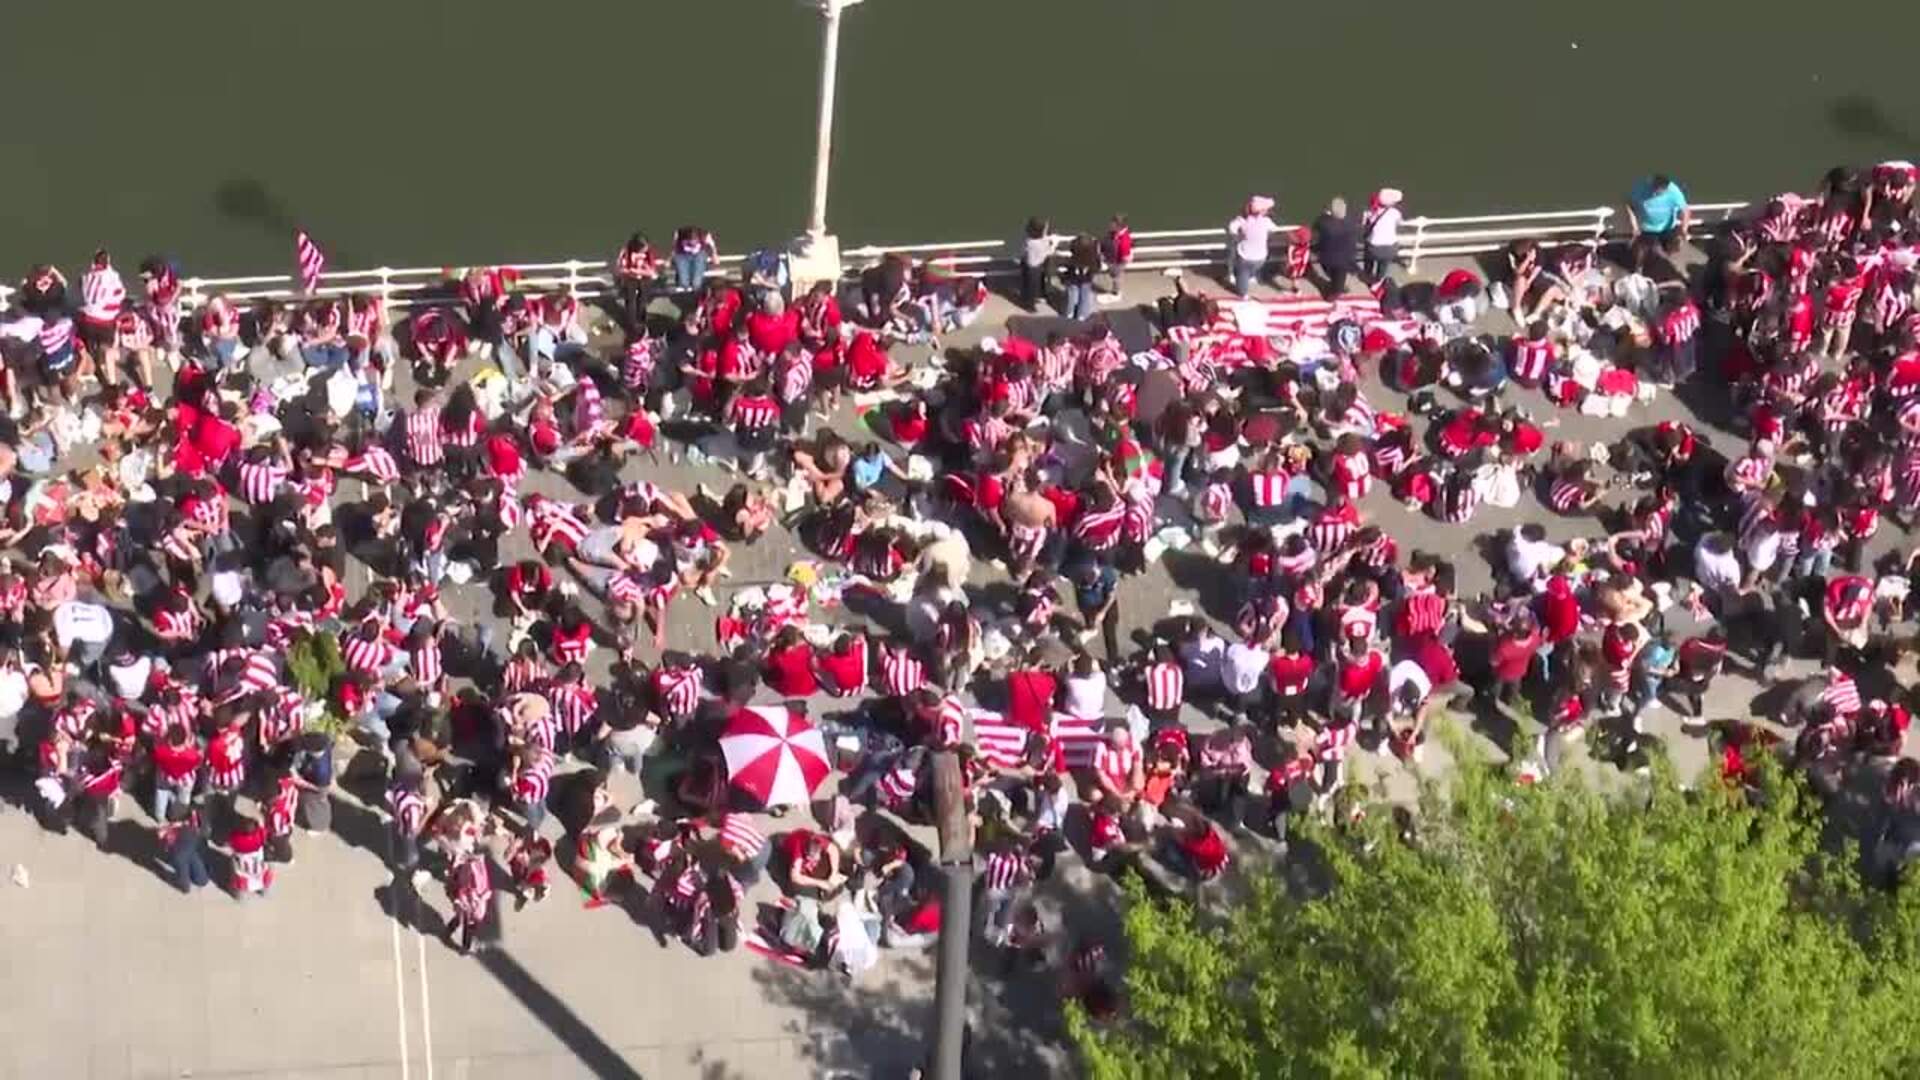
(114, 974)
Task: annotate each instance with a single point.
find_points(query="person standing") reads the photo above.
(1096, 589)
(1336, 243)
(470, 888)
(186, 844)
(408, 804)
(1076, 279)
(1117, 249)
(1658, 212)
(1248, 236)
(693, 249)
(1383, 233)
(1036, 249)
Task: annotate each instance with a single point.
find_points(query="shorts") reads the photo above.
(97, 336)
(59, 360)
(754, 440)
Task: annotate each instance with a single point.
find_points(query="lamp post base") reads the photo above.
(814, 257)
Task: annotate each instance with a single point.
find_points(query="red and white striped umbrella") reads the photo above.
(774, 756)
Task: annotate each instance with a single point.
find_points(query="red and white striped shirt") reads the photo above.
(409, 809)
(740, 839)
(534, 778)
(425, 662)
(260, 481)
(1332, 742)
(1005, 870)
(425, 441)
(1841, 694)
(1166, 685)
(901, 672)
(366, 655)
(1567, 495)
(550, 520)
(678, 690)
(1116, 763)
(101, 295)
(753, 412)
(1531, 359)
(573, 705)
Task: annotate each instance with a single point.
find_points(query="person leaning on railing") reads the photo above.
(1659, 213)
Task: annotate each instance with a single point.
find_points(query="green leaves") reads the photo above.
(1536, 931)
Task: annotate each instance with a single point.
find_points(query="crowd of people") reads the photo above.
(194, 488)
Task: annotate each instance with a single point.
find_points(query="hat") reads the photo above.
(1389, 196)
(1259, 204)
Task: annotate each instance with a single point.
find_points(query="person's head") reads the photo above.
(1337, 207)
(1659, 182)
(1036, 228)
(1084, 665)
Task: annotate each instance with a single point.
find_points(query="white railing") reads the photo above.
(1422, 238)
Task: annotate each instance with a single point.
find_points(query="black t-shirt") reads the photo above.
(1337, 242)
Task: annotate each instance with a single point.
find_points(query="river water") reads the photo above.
(412, 132)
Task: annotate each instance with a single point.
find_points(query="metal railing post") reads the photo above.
(1602, 217)
(1419, 240)
(386, 286)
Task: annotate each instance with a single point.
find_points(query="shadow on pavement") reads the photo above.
(594, 1053)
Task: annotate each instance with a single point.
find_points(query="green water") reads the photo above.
(416, 132)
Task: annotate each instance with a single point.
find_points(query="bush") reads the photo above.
(316, 667)
(1556, 928)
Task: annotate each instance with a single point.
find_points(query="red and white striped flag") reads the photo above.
(309, 258)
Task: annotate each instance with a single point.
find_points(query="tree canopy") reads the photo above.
(1544, 931)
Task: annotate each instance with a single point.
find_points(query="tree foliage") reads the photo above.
(1556, 930)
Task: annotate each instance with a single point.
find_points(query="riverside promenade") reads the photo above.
(112, 973)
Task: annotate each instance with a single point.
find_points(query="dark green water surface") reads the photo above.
(416, 132)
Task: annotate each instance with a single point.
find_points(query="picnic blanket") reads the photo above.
(1002, 743)
(1258, 331)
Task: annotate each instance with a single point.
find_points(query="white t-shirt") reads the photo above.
(1085, 695)
(228, 588)
(1250, 235)
(77, 620)
(1245, 664)
(130, 680)
(1385, 229)
(1716, 572)
(13, 692)
(1762, 549)
(1530, 560)
(1408, 672)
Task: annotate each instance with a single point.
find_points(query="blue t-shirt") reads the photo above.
(868, 470)
(1658, 211)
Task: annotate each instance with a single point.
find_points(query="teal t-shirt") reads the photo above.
(1658, 210)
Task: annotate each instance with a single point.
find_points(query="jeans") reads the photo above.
(749, 872)
(1380, 260)
(221, 352)
(325, 357)
(1243, 271)
(689, 270)
(1078, 303)
(165, 795)
(1033, 282)
(996, 910)
(189, 865)
(1816, 562)
(1177, 458)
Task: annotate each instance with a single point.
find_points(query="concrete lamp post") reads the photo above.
(816, 256)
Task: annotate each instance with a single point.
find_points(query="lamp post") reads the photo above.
(818, 252)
